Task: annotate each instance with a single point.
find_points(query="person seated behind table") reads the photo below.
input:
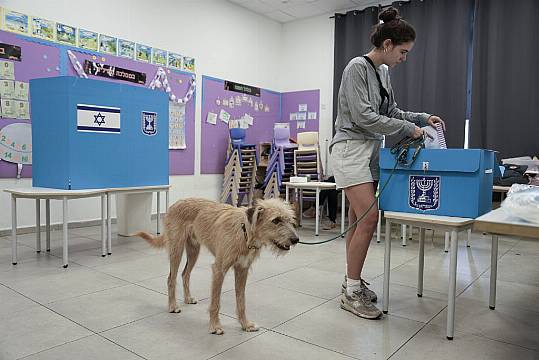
(331, 196)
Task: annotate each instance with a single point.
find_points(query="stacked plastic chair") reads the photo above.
(307, 160)
(281, 163)
(240, 170)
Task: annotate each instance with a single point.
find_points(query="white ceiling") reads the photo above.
(289, 10)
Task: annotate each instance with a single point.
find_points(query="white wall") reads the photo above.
(226, 40)
(307, 63)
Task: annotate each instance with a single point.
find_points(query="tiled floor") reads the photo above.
(116, 307)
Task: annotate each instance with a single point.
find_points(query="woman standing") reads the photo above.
(366, 111)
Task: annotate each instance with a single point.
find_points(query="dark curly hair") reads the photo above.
(393, 28)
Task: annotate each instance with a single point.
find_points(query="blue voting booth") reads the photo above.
(451, 182)
(95, 134)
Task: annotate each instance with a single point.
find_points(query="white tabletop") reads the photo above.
(498, 188)
(499, 222)
(311, 185)
(140, 188)
(49, 192)
(430, 219)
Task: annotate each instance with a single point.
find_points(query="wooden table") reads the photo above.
(443, 223)
(317, 186)
(498, 222)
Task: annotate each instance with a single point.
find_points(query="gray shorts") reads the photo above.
(355, 162)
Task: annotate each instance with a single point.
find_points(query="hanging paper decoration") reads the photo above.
(160, 81)
(76, 65)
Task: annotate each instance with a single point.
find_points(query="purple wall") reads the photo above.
(215, 137)
(37, 61)
(181, 162)
(291, 102)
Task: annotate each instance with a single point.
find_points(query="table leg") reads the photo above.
(103, 226)
(452, 286)
(421, 262)
(13, 229)
(387, 267)
(343, 211)
(300, 204)
(48, 224)
(379, 226)
(469, 238)
(403, 229)
(64, 229)
(109, 225)
(38, 226)
(167, 201)
(446, 242)
(158, 210)
(493, 272)
(287, 194)
(317, 211)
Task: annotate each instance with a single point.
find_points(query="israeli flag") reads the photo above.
(93, 118)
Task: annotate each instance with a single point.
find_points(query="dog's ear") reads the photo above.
(253, 212)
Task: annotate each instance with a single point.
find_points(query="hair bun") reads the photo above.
(389, 14)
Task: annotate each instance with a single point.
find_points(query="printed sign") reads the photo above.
(149, 123)
(94, 118)
(113, 72)
(424, 192)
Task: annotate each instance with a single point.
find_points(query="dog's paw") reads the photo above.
(216, 330)
(190, 300)
(250, 327)
(175, 310)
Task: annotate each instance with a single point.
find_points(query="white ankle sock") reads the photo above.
(352, 285)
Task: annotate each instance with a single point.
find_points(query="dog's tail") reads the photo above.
(155, 241)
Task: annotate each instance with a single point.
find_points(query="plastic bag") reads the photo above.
(523, 202)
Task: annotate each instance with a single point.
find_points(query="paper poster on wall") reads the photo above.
(108, 44)
(7, 89)
(7, 70)
(11, 52)
(8, 108)
(311, 115)
(16, 143)
(43, 28)
(248, 119)
(302, 116)
(66, 34)
(189, 63)
(15, 22)
(301, 124)
(88, 39)
(175, 60)
(21, 91)
(211, 118)
(293, 116)
(126, 49)
(176, 126)
(22, 110)
(144, 53)
(224, 116)
(302, 107)
(159, 57)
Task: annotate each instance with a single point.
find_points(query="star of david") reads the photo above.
(99, 119)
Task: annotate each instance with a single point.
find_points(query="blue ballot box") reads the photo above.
(97, 134)
(451, 182)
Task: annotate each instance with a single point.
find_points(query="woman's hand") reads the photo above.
(418, 132)
(433, 120)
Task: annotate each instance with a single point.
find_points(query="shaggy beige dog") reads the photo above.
(235, 236)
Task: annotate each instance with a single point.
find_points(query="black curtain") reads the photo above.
(505, 95)
(352, 33)
(433, 79)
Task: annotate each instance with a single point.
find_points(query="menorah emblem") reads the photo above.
(424, 192)
(424, 185)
